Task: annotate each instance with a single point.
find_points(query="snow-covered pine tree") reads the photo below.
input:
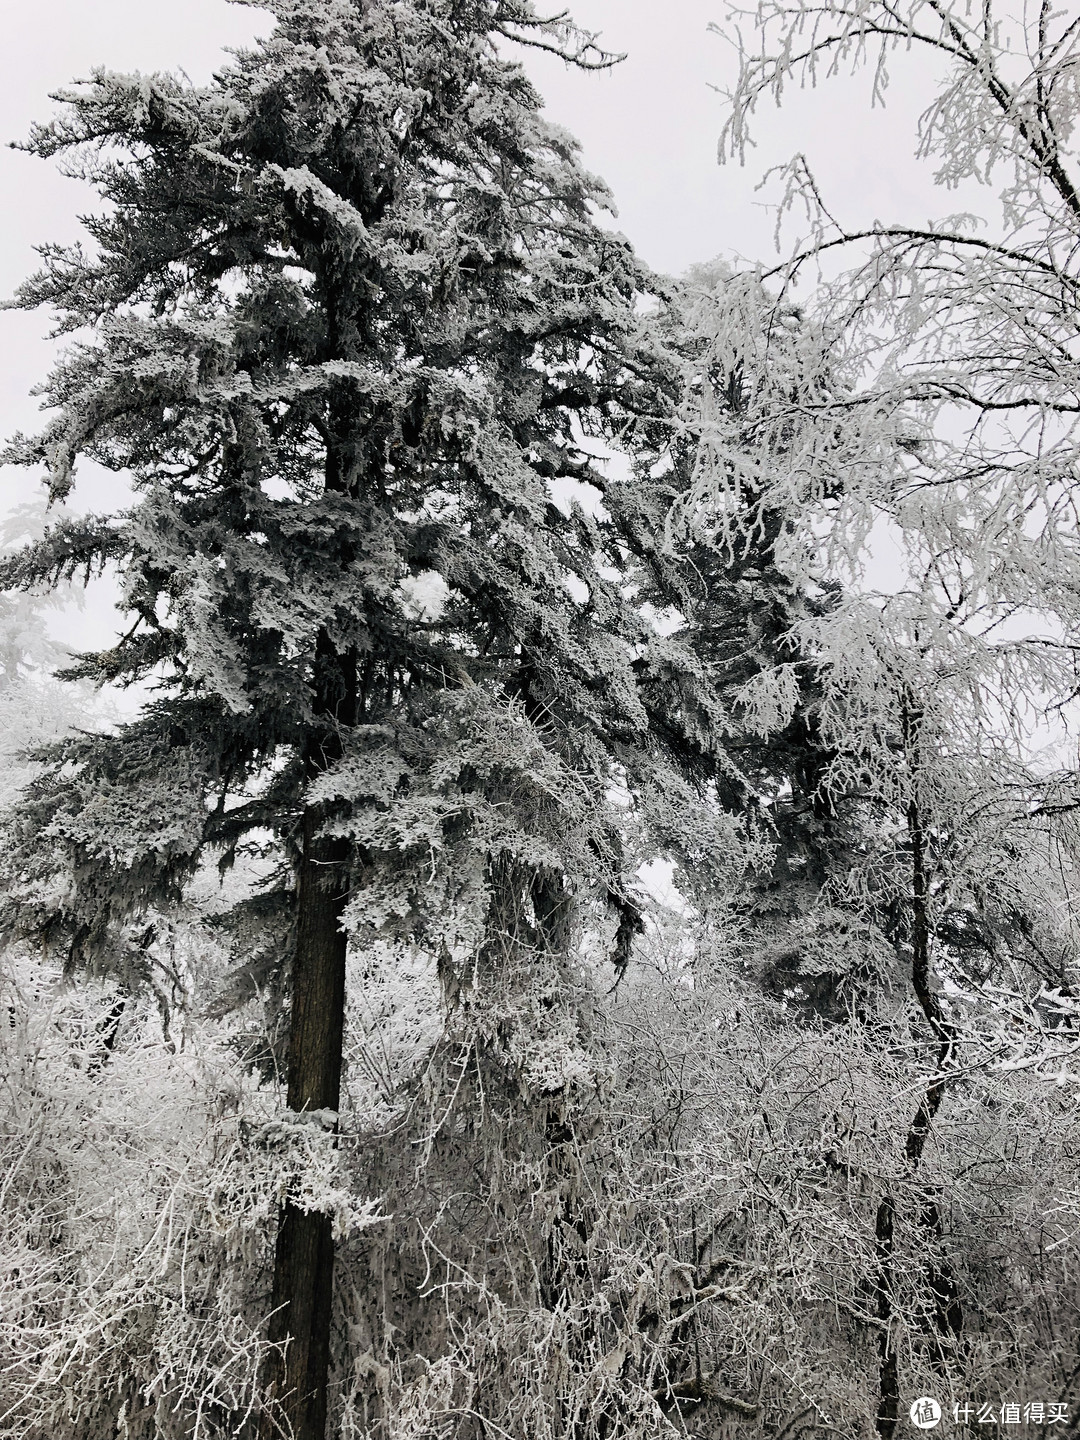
(344, 319)
(742, 585)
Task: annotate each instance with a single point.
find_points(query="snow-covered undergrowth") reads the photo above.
(142, 1180)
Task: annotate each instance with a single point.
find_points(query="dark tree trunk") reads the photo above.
(889, 1378)
(946, 1311)
(297, 1381)
(304, 1255)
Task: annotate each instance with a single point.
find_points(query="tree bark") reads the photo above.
(296, 1386)
(888, 1410)
(947, 1312)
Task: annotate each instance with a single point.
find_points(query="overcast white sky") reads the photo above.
(649, 127)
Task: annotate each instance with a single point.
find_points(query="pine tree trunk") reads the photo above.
(304, 1254)
(297, 1382)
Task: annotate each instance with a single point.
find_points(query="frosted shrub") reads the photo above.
(141, 1187)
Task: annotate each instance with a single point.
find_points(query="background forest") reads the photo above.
(556, 916)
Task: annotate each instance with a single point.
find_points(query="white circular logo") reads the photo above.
(925, 1413)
